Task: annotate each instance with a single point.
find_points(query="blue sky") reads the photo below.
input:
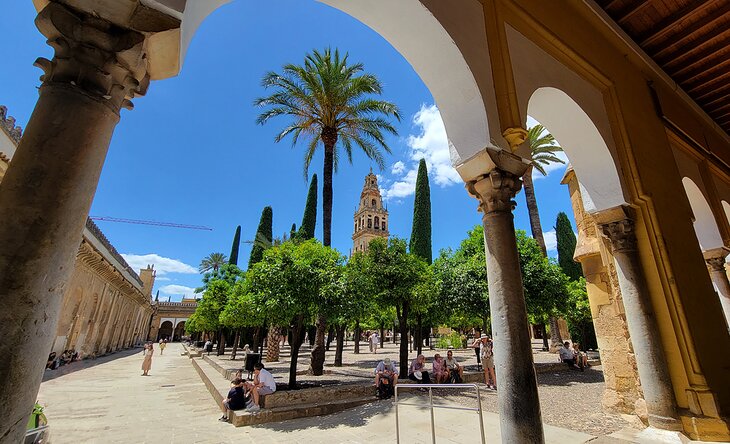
(190, 152)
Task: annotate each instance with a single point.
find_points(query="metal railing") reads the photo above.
(432, 406)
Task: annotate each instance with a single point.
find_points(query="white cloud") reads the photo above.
(398, 167)
(177, 290)
(162, 279)
(430, 143)
(163, 265)
(551, 241)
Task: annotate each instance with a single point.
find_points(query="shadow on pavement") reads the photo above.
(355, 417)
(50, 375)
(592, 375)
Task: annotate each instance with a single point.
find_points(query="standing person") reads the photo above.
(264, 385)
(374, 342)
(476, 345)
(147, 362)
(486, 350)
(163, 344)
(417, 372)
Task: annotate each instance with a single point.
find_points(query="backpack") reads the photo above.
(385, 389)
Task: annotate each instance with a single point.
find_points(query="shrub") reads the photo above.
(453, 340)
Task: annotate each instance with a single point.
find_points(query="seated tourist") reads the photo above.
(51, 364)
(581, 358)
(236, 399)
(417, 372)
(264, 384)
(456, 371)
(567, 355)
(440, 374)
(386, 369)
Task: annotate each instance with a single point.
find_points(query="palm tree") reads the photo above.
(329, 101)
(543, 148)
(212, 262)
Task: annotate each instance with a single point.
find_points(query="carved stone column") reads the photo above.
(715, 260)
(618, 227)
(47, 191)
(519, 405)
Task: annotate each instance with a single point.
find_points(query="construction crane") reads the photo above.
(149, 222)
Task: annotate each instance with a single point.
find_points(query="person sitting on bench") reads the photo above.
(236, 399)
(456, 371)
(264, 384)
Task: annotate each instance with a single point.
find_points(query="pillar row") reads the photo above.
(519, 405)
(47, 192)
(619, 227)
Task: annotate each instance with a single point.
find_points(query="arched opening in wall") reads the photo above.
(165, 331)
(179, 331)
(708, 234)
(583, 144)
(726, 208)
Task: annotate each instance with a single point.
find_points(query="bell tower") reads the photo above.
(371, 218)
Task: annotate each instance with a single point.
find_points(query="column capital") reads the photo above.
(715, 258)
(104, 61)
(495, 191)
(621, 235)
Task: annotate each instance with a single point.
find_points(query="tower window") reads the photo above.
(377, 222)
(374, 202)
(370, 223)
(383, 225)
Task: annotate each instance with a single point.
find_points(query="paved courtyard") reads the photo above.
(108, 401)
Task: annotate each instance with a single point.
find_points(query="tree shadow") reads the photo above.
(567, 377)
(353, 417)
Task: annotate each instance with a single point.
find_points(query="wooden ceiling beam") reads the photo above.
(711, 84)
(669, 44)
(702, 72)
(627, 13)
(709, 103)
(689, 60)
(666, 25)
(711, 95)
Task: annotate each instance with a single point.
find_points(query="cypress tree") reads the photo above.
(420, 243)
(293, 231)
(566, 247)
(309, 220)
(264, 236)
(234, 248)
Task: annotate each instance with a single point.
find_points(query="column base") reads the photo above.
(655, 435)
(704, 428)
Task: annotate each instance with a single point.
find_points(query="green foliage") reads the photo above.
(566, 247)
(420, 243)
(309, 220)
(236, 245)
(242, 309)
(207, 313)
(226, 272)
(212, 262)
(327, 93)
(543, 148)
(450, 340)
(264, 235)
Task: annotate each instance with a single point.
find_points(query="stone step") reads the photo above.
(245, 418)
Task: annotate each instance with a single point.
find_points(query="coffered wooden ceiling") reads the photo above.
(690, 40)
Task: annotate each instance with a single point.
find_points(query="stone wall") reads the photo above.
(623, 390)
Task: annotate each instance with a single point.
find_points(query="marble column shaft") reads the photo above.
(651, 362)
(519, 405)
(47, 192)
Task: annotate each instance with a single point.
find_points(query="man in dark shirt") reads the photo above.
(236, 399)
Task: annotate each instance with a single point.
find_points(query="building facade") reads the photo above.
(169, 319)
(371, 217)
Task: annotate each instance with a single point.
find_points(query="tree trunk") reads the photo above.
(221, 343)
(330, 337)
(356, 337)
(382, 335)
(316, 366)
(235, 344)
(340, 344)
(272, 344)
(255, 342)
(555, 339)
(329, 138)
(419, 330)
(535, 225)
(545, 345)
(297, 338)
(312, 331)
(403, 327)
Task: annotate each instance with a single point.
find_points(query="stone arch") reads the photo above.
(458, 87)
(165, 331)
(179, 330)
(708, 234)
(726, 208)
(583, 144)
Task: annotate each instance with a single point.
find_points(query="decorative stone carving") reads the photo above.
(495, 191)
(7, 123)
(621, 234)
(105, 61)
(716, 263)
(515, 137)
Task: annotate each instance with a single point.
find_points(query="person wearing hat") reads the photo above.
(476, 345)
(386, 369)
(417, 371)
(487, 351)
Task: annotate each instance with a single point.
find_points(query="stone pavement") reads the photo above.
(110, 402)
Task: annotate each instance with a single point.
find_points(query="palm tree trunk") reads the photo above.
(555, 338)
(329, 166)
(272, 344)
(535, 225)
(316, 366)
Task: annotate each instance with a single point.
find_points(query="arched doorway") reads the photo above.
(165, 331)
(179, 331)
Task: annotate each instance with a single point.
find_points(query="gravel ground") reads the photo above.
(569, 399)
